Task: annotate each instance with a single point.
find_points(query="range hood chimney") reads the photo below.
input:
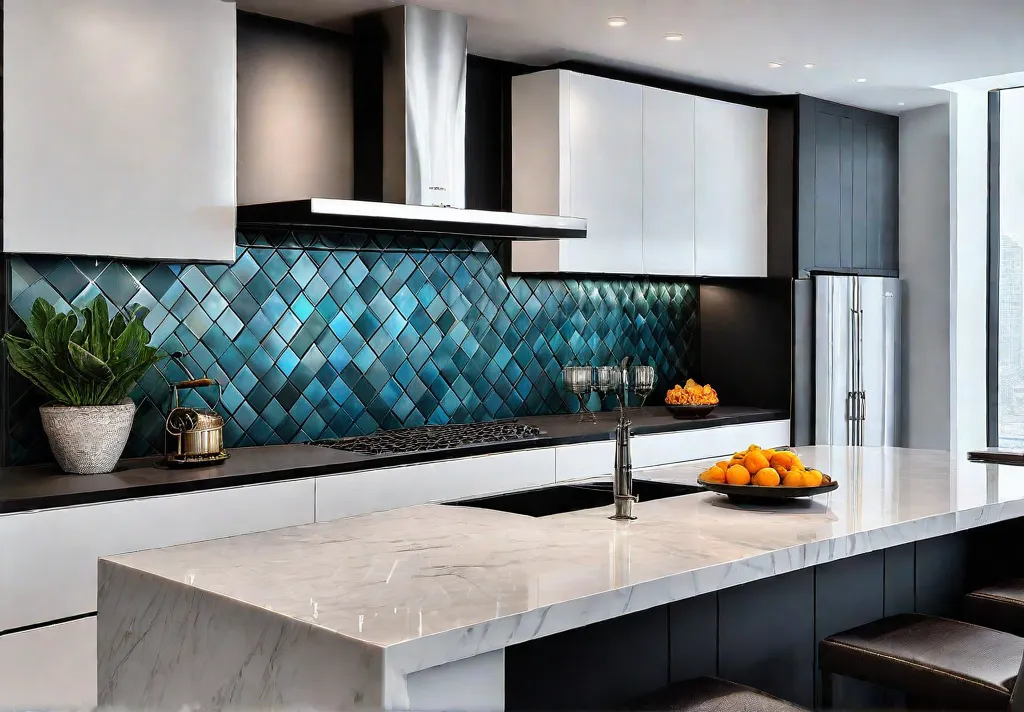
(409, 151)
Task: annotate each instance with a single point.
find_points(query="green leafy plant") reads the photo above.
(97, 364)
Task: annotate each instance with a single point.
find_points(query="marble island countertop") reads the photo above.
(433, 584)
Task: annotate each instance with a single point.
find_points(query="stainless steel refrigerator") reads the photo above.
(856, 360)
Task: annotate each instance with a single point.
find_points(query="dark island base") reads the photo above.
(763, 634)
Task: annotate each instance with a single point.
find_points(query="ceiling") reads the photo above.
(902, 47)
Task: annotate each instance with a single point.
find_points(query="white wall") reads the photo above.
(924, 267)
(968, 172)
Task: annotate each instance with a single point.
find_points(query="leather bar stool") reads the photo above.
(937, 662)
(1000, 606)
(711, 694)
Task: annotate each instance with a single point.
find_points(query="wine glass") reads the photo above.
(643, 382)
(580, 380)
(608, 380)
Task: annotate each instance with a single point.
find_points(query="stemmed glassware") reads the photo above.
(580, 380)
(607, 380)
(642, 382)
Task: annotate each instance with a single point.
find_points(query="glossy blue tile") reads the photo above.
(437, 333)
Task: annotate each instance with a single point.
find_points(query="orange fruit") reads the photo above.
(793, 478)
(737, 475)
(797, 465)
(766, 477)
(723, 464)
(782, 459)
(752, 448)
(812, 478)
(755, 462)
(713, 474)
(769, 453)
(781, 470)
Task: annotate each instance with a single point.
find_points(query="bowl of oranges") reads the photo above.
(765, 474)
(691, 401)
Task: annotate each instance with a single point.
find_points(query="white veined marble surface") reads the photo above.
(433, 584)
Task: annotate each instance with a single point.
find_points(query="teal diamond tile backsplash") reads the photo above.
(328, 335)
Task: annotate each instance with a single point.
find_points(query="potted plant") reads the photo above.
(89, 364)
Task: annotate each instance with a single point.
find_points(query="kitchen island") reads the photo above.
(431, 606)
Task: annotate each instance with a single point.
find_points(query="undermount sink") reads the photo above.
(558, 499)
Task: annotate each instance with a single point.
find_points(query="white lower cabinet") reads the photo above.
(48, 557)
(53, 667)
(666, 448)
(583, 460)
(574, 462)
(377, 490)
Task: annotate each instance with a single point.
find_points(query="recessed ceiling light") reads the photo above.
(860, 80)
(902, 103)
(674, 36)
(616, 21)
(774, 65)
(808, 66)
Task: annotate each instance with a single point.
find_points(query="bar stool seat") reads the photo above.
(953, 664)
(1000, 606)
(711, 694)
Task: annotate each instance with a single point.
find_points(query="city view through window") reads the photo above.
(1011, 269)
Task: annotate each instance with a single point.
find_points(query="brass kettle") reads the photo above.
(197, 432)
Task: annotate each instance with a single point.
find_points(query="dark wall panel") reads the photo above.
(294, 111)
(766, 635)
(597, 667)
(746, 340)
(693, 637)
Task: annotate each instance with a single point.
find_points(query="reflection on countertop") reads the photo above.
(436, 581)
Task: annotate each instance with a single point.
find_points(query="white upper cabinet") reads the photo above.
(731, 182)
(577, 150)
(668, 183)
(119, 128)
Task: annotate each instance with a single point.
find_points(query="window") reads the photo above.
(1007, 226)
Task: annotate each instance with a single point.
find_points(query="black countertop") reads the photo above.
(45, 486)
(997, 456)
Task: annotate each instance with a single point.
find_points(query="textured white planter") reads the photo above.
(88, 440)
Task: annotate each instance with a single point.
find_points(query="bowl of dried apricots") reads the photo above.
(758, 475)
(691, 401)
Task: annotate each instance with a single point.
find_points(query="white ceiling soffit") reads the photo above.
(902, 48)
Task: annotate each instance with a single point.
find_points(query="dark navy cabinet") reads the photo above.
(836, 205)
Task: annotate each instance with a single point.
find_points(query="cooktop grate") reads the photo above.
(432, 437)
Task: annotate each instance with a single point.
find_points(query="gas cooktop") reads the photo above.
(433, 437)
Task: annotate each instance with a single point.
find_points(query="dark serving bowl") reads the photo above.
(751, 494)
(682, 412)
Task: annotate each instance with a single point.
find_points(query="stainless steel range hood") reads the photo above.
(410, 139)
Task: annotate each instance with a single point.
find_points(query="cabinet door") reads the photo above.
(605, 175)
(51, 572)
(122, 143)
(668, 182)
(30, 662)
(731, 189)
(829, 192)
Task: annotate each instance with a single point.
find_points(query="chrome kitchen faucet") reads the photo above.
(622, 477)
